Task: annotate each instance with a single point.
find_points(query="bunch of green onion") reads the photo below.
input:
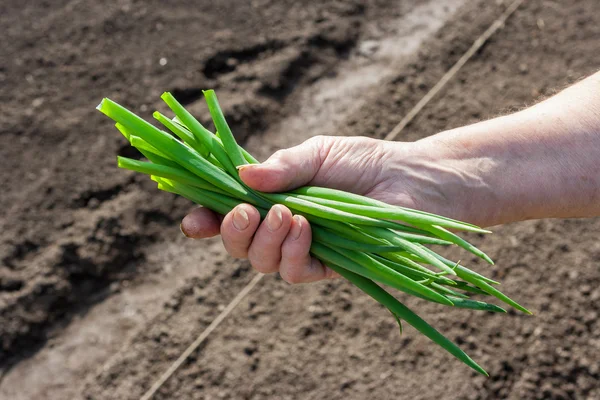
(364, 240)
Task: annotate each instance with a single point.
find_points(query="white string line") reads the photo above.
(168, 373)
(405, 121)
(480, 41)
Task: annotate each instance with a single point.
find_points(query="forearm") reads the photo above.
(543, 162)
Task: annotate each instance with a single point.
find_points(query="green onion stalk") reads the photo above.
(366, 241)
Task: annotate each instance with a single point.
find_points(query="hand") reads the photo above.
(397, 173)
(541, 162)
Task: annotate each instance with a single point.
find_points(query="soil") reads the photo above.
(99, 292)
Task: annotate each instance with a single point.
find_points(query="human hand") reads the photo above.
(396, 173)
(541, 162)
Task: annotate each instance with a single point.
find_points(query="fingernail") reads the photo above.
(240, 219)
(274, 219)
(296, 228)
(244, 166)
(182, 231)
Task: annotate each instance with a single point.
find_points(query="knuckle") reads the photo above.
(263, 267)
(235, 249)
(235, 252)
(227, 239)
(239, 254)
(279, 154)
(291, 275)
(318, 139)
(261, 263)
(365, 140)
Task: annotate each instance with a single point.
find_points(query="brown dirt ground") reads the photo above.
(71, 224)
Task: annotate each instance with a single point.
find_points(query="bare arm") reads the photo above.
(542, 162)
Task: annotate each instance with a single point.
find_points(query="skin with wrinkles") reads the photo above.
(542, 162)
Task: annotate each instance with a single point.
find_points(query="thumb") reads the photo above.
(286, 169)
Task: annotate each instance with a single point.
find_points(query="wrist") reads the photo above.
(459, 180)
(512, 168)
(538, 163)
(436, 176)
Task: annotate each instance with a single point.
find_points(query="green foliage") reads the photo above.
(352, 234)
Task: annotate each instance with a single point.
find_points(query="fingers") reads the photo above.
(265, 250)
(287, 169)
(237, 229)
(281, 243)
(296, 265)
(200, 223)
